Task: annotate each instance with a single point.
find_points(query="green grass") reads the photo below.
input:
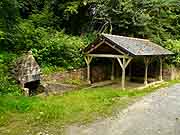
(29, 115)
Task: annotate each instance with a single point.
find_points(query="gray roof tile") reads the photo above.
(136, 46)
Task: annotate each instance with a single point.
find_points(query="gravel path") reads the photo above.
(156, 114)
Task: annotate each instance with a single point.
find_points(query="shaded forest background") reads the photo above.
(57, 30)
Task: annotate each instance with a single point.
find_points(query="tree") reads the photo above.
(8, 14)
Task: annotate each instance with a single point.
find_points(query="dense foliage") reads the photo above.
(57, 30)
(39, 24)
(7, 84)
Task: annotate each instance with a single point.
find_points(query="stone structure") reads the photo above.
(60, 82)
(27, 72)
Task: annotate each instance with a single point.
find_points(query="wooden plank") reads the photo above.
(156, 84)
(107, 55)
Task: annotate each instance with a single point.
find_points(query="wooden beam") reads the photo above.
(88, 60)
(130, 71)
(129, 60)
(107, 55)
(123, 78)
(161, 69)
(145, 76)
(146, 62)
(172, 72)
(92, 49)
(123, 65)
(88, 74)
(112, 72)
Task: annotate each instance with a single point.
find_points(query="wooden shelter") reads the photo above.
(124, 49)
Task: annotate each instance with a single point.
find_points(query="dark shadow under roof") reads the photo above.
(136, 46)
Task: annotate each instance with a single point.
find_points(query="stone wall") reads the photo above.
(101, 73)
(171, 73)
(98, 73)
(77, 74)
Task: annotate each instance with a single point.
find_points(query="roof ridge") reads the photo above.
(128, 37)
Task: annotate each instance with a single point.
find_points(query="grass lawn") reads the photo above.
(31, 115)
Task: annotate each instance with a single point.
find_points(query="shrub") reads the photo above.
(174, 46)
(60, 50)
(50, 47)
(7, 84)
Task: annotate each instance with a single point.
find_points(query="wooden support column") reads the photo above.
(161, 69)
(130, 71)
(172, 72)
(160, 75)
(123, 65)
(146, 62)
(123, 74)
(88, 60)
(123, 78)
(112, 72)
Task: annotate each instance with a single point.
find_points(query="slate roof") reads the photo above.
(136, 46)
(27, 69)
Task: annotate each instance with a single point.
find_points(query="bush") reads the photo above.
(7, 84)
(60, 50)
(26, 37)
(50, 47)
(174, 46)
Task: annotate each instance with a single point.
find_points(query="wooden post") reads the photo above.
(123, 77)
(161, 69)
(112, 72)
(88, 73)
(88, 60)
(145, 76)
(172, 72)
(146, 62)
(123, 65)
(123, 73)
(130, 71)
